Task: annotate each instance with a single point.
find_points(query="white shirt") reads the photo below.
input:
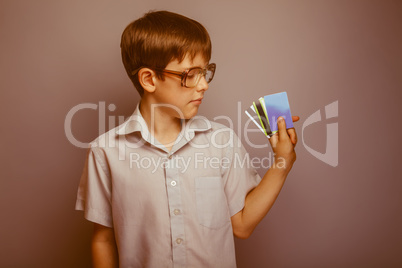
(168, 209)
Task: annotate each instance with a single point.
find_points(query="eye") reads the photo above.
(193, 73)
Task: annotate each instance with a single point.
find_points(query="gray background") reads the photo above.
(55, 55)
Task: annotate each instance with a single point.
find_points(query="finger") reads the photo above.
(295, 118)
(292, 135)
(283, 134)
(274, 140)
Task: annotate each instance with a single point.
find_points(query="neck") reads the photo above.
(164, 126)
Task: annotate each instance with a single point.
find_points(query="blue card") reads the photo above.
(277, 105)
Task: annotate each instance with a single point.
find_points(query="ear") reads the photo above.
(146, 77)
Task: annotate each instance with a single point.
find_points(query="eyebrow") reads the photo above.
(197, 66)
(188, 68)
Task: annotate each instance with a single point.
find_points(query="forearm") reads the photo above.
(104, 255)
(104, 249)
(260, 200)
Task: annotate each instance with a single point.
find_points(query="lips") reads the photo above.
(197, 100)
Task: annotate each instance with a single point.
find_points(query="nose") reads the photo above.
(202, 84)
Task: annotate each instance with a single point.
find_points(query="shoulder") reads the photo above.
(109, 139)
(105, 140)
(218, 126)
(222, 131)
(203, 124)
(215, 133)
(224, 128)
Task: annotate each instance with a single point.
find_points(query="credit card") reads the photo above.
(265, 112)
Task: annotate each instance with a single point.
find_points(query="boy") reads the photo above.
(167, 188)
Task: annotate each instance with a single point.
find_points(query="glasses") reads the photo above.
(190, 77)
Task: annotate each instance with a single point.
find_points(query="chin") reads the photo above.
(190, 115)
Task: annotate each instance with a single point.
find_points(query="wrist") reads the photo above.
(283, 163)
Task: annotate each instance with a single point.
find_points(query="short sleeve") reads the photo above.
(94, 191)
(239, 177)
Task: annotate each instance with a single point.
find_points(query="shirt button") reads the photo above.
(176, 211)
(179, 240)
(173, 183)
(170, 156)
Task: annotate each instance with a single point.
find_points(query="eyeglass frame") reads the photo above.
(183, 74)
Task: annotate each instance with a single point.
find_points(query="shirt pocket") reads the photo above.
(212, 208)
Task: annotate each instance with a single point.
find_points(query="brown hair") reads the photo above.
(160, 37)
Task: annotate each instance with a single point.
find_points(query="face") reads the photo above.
(181, 102)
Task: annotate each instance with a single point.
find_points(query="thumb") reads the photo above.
(282, 128)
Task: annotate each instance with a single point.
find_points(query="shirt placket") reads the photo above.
(173, 186)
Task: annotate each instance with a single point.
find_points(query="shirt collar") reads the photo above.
(136, 123)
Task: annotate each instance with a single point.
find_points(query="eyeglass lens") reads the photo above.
(194, 75)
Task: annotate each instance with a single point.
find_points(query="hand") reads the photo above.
(283, 142)
(292, 131)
